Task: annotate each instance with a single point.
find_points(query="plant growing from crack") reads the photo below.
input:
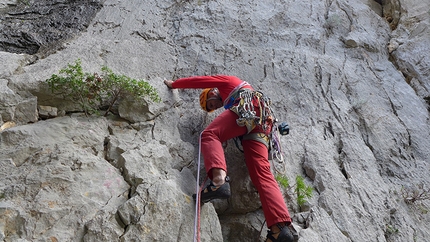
(412, 195)
(26, 2)
(391, 230)
(94, 92)
(301, 190)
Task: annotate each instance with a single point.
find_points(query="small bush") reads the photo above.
(93, 91)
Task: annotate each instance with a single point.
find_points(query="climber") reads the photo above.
(247, 115)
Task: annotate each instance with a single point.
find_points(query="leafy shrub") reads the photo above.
(93, 91)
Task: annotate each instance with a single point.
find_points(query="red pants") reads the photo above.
(223, 128)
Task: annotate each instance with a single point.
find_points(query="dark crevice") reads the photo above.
(391, 12)
(330, 129)
(427, 100)
(341, 161)
(42, 26)
(343, 170)
(340, 147)
(364, 133)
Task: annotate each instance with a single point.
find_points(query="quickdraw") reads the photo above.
(245, 103)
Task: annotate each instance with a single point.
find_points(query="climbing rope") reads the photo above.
(276, 150)
(198, 189)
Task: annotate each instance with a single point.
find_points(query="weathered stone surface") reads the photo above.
(412, 38)
(47, 112)
(351, 78)
(20, 107)
(54, 177)
(27, 26)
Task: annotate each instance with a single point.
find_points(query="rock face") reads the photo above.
(350, 77)
(30, 25)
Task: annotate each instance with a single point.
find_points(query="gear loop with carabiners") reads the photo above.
(244, 102)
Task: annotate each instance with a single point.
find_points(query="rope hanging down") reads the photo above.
(199, 188)
(197, 214)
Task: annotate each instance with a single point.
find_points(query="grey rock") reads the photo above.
(351, 79)
(28, 26)
(47, 112)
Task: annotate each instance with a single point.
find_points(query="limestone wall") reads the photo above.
(350, 77)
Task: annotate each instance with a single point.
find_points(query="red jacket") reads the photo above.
(225, 84)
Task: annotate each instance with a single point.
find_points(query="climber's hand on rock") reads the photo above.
(168, 83)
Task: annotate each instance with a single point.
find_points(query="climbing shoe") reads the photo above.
(285, 235)
(215, 192)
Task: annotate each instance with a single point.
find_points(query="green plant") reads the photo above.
(283, 181)
(70, 83)
(26, 2)
(94, 91)
(391, 230)
(117, 86)
(302, 191)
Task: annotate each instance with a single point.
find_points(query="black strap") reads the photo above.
(270, 236)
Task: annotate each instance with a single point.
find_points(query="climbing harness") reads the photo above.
(245, 102)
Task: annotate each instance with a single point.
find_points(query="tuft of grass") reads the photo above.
(391, 230)
(26, 2)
